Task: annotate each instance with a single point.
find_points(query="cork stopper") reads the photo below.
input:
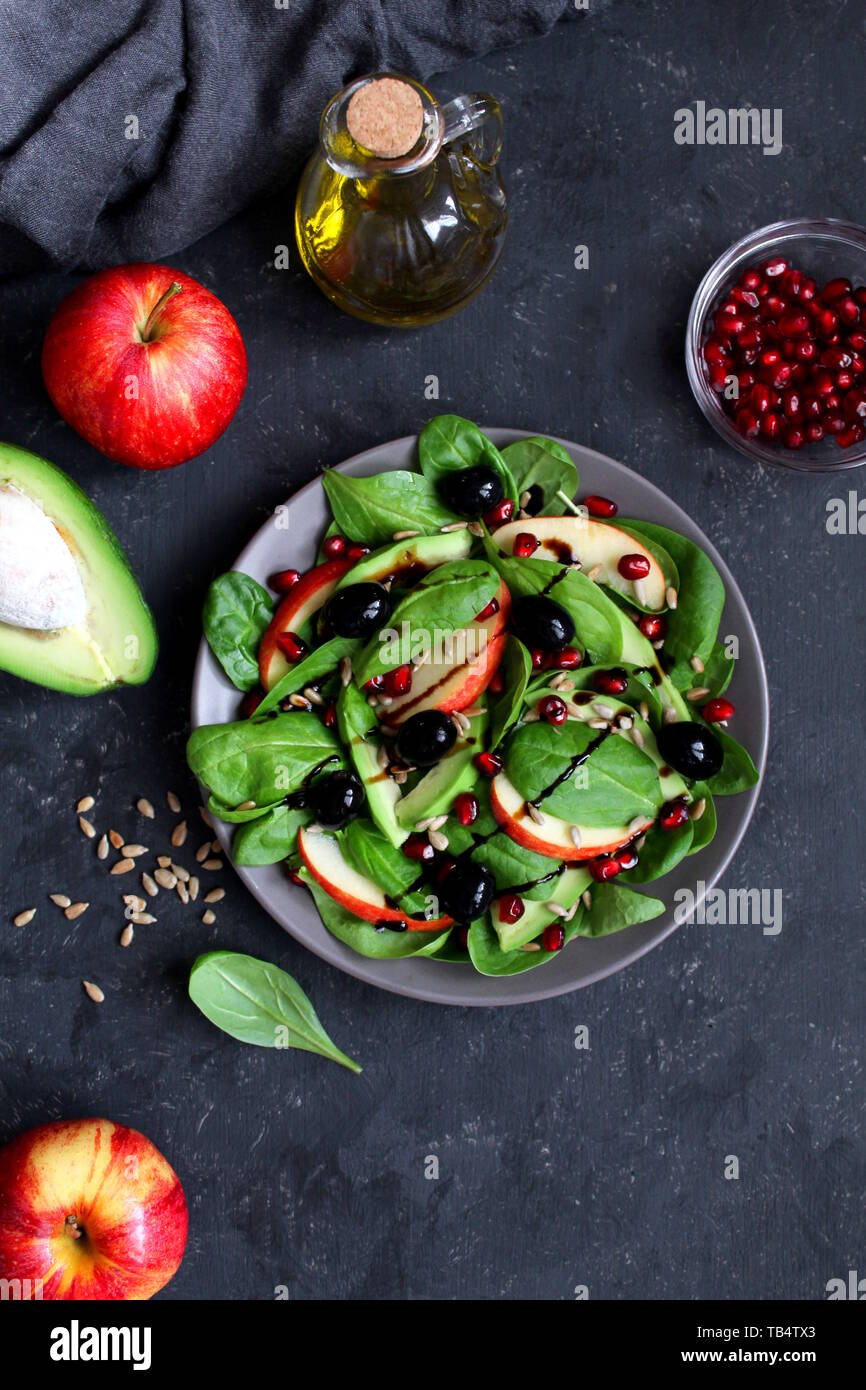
(385, 116)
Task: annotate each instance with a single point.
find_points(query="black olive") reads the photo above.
(336, 798)
(692, 750)
(425, 738)
(467, 891)
(535, 500)
(471, 491)
(358, 610)
(542, 623)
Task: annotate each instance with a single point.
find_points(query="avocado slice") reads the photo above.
(434, 794)
(61, 564)
(639, 652)
(405, 557)
(355, 722)
(536, 916)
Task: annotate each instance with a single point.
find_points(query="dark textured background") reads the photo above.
(557, 1167)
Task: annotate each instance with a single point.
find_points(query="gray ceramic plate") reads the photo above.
(293, 539)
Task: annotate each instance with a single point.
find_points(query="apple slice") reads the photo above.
(553, 837)
(445, 685)
(594, 543)
(300, 603)
(353, 891)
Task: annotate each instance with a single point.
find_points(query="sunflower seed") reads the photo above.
(180, 872)
(594, 572)
(216, 895)
(421, 658)
(205, 816)
(422, 825)
(202, 852)
(386, 700)
(574, 833)
(86, 828)
(173, 802)
(313, 695)
(659, 645)
(531, 716)
(85, 804)
(570, 913)
(246, 806)
(531, 946)
(670, 716)
(383, 757)
(144, 807)
(696, 664)
(134, 851)
(637, 738)
(404, 535)
(164, 861)
(142, 919)
(700, 692)
(624, 722)
(165, 878)
(455, 526)
(60, 900)
(643, 710)
(475, 528)
(346, 670)
(193, 888)
(566, 685)
(93, 992)
(459, 720)
(213, 864)
(635, 825)
(24, 917)
(437, 839)
(133, 901)
(586, 899)
(373, 701)
(525, 498)
(556, 683)
(123, 866)
(572, 709)
(534, 813)
(208, 917)
(126, 935)
(182, 891)
(116, 839)
(671, 597)
(597, 723)
(606, 711)
(698, 809)
(102, 847)
(556, 909)
(640, 842)
(640, 592)
(178, 835)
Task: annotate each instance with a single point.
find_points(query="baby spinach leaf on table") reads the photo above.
(737, 772)
(618, 783)
(271, 838)
(540, 462)
(258, 1003)
(693, 624)
(371, 509)
(516, 669)
(448, 443)
(363, 936)
(236, 612)
(260, 760)
(446, 599)
(320, 662)
(597, 623)
(368, 851)
(703, 829)
(662, 850)
(615, 907)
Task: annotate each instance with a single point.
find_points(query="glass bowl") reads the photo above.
(822, 249)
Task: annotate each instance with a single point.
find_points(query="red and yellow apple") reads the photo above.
(146, 364)
(304, 599)
(553, 837)
(88, 1210)
(355, 892)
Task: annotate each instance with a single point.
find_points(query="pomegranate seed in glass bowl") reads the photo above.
(806, 276)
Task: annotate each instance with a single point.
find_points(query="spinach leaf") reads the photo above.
(258, 1003)
(596, 620)
(271, 838)
(615, 907)
(232, 815)
(320, 662)
(489, 958)
(693, 624)
(373, 855)
(516, 670)
(260, 760)
(662, 851)
(448, 443)
(540, 462)
(737, 772)
(363, 936)
(355, 718)
(511, 865)
(619, 781)
(236, 612)
(372, 509)
(640, 686)
(704, 829)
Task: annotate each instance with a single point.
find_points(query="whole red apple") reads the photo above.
(146, 364)
(88, 1209)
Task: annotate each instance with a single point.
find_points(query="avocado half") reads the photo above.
(112, 640)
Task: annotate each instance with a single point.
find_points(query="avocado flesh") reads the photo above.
(402, 556)
(434, 794)
(115, 642)
(356, 721)
(536, 916)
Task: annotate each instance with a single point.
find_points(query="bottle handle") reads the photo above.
(467, 113)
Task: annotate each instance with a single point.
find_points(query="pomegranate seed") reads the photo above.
(845, 438)
(834, 424)
(251, 702)
(374, 683)
(814, 432)
(511, 908)
(750, 279)
(834, 289)
(759, 401)
(498, 515)
(769, 357)
(810, 406)
(552, 708)
(329, 717)
(855, 405)
(745, 380)
(673, 814)
(713, 352)
(602, 506)
(823, 383)
(284, 580)
(718, 380)
(291, 646)
(793, 437)
(807, 350)
(782, 375)
(860, 296)
(418, 847)
(398, 681)
(466, 808)
(626, 857)
(604, 868)
(746, 423)
(539, 658)
(770, 426)
(357, 551)
(774, 307)
(488, 612)
(488, 763)
(497, 682)
(791, 404)
(524, 544)
(732, 324)
(792, 282)
(844, 381)
(714, 711)
(654, 628)
(568, 659)
(334, 546)
(835, 358)
(826, 323)
(634, 566)
(295, 877)
(857, 341)
(793, 325)
(857, 363)
(612, 682)
(831, 404)
(553, 937)
(808, 289)
(777, 266)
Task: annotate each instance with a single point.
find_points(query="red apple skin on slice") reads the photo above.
(552, 838)
(312, 590)
(443, 686)
(357, 894)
